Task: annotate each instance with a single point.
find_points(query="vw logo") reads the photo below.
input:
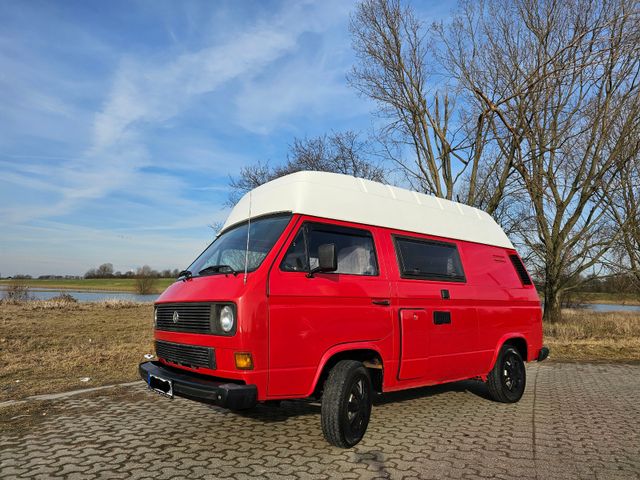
(176, 317)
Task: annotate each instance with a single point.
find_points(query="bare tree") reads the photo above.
(445, 136)
(17, 291)
(561, 78)
(146, 280)
(625, 199)
(105, 270)
(338, 152)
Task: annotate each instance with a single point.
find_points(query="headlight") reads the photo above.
(155, 317)
(227, 319)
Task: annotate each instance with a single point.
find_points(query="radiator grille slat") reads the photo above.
(188, 355)
(192, 317)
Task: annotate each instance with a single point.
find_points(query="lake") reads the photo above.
(611, 307)
(84, 296)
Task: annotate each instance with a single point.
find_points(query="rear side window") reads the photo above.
(429, 260)
(354, 249)
(522, 272)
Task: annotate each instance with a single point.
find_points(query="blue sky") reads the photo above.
(121, 122)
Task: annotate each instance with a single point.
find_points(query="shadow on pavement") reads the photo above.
(273, 412)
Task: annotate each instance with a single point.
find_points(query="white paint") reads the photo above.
(350, 199)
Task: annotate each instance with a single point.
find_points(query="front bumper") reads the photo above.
(200, 388)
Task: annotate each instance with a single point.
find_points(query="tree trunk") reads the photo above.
(552, 303)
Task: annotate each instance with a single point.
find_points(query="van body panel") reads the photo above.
(212, 288)
(350, 199)
(293, 324)
(310, 315)
(337, 350)
(426, 331)
(505, 306)
(252, 332)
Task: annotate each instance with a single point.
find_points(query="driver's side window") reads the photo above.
(355, 253)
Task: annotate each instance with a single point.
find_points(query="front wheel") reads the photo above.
(507, 379)
(346, 404)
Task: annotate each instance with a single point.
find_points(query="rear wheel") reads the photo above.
(346, 404)
(508, 378)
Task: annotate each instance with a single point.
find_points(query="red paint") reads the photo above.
(293, 324)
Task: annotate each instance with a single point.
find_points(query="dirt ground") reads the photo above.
(48, 347)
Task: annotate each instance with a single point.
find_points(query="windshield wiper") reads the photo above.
(216, 269)
(184, 274)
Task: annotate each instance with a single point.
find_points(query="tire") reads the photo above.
(508, 378)
(346, 404)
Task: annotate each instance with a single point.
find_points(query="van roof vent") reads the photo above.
(522, 272)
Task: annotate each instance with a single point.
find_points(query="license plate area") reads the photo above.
(161, 385)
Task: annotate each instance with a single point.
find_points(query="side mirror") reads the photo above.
(327, 260)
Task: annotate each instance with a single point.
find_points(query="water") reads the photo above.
(98, 296)
(92, 296)
(611, 307)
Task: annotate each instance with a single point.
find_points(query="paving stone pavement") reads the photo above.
(575, 421)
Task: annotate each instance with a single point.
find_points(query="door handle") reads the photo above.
(441, 318)
(383, 301)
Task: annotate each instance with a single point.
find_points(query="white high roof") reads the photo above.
(351, 199)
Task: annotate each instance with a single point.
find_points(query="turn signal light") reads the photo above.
(244, 361)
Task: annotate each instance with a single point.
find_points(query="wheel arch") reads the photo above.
(517, 340)
(366, 353)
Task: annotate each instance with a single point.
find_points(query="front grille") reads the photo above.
(187, 355)
(189, 317)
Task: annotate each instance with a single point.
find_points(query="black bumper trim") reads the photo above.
(543, 353)
(195, 387)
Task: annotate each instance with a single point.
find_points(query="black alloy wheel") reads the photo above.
(508, 378)
(512, 372)
(357, 410)
(346, 404)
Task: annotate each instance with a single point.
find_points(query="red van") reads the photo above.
(327, 286)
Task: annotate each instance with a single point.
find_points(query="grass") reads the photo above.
(129, 285)
(90, 284)
(617, 298)
(48, 346)
(587, 335)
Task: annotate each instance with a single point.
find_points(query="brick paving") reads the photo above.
(575, 421)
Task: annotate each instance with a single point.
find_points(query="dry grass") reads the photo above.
(586, 335)
(89, 284)
(17, 291)
(621, 298)
(48, 346)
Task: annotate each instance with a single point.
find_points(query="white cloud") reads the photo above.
(152, 92)
(303, 88)
(147, 92)
(155, 92)
(144, 152)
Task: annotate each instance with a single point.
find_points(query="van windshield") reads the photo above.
(227, 252)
